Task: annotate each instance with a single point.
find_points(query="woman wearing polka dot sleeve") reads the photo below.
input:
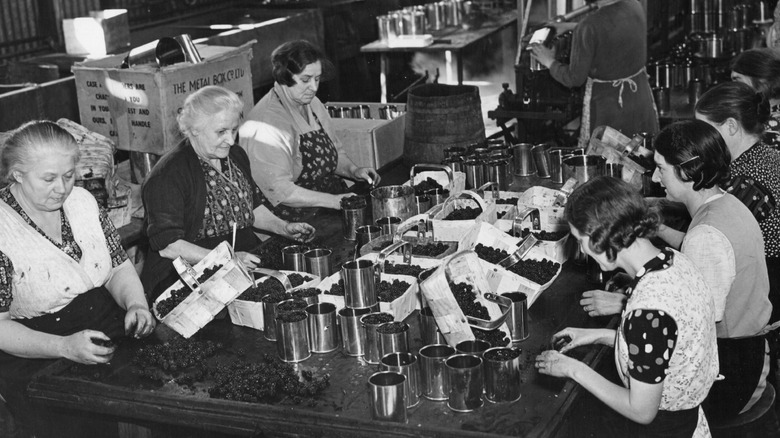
(665, 346)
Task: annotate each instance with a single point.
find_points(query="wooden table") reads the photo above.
(548, 406)
(451, 39)
(343, 409)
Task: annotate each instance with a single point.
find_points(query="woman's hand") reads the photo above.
(368, 174)
(299, 231)
(577, 337)
(249, 260)
(601, 302)
(79, 347)
(544, 55)
(139, 321)
(556, 364)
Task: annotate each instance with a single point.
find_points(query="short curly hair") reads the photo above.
(291, 58)
(206, 103)
(612, 213)
(697, 152)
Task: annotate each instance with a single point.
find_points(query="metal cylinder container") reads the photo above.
(292, 341)
(360, 278)
(501, 366)
(406, 364)
(388, 396)
(433, 371)
(322, 327)
(353, 336)
(464, 376)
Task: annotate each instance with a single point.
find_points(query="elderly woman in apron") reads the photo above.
(608, 56)
(297, 160)
(67, 287)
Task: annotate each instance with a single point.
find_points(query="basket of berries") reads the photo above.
(203, 290)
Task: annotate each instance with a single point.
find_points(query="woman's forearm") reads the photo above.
(671, 236)
(126, 288)
(188, 251)
(301, 197)
(639, 404)
(20, 341)
(266, 220)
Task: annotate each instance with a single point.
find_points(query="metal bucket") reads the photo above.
(395, 201)
(583, 167)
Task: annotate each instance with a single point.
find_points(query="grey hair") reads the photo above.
(205, 103)
(29, 141)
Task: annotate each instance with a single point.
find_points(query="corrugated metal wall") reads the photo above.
(21, 23)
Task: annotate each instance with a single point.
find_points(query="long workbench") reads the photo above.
(118, 392)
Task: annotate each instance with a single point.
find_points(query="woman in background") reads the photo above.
(760, 69)
(297, 159)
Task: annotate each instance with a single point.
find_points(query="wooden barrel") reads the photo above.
(440, 116)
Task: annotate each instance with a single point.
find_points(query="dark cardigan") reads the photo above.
(174, 197)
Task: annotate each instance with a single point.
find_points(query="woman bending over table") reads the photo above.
(200, 190)
(665, 348)
(67, 288)
(297, 160)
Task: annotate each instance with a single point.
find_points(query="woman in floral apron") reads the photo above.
(297, 160)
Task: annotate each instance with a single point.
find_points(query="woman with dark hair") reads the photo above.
(724, 241)
(296, 157)
(608, 57)
(739, 114)
(760, 69)
(665, 346)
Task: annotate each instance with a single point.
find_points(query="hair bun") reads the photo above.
(763, 108)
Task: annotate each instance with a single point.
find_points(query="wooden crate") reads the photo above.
(137, 107)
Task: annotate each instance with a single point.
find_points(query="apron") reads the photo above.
(585, 128)
(320, 158)
(94, 309)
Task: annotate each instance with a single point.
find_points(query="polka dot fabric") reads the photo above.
(651, 336)
(762, 164)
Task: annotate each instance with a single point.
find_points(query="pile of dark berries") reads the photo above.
(402, 269)
(290, 306)
(430, 249)
(208, 273)
(353, 202)
(490, 254)
(272, 286)
(424, 186)
(502, 354)
(291, 316)
(501, 214)
(336, 289)
(251, 294)
(510, 201)
(464, 213)
(378, 318)
(551, 236)
(274, 297)
(270, 381)
(496, 338)
(538, 271)
(176, 355)
(421, 250)
(388, 292)
(165, 306)
(467, 301)
(392, 327)
(305, 292)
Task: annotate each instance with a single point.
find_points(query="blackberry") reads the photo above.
(490, 254)
(388, 292)
(464, 213)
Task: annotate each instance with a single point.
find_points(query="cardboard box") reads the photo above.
(371, 142)
(103, 32)
(137, 107)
